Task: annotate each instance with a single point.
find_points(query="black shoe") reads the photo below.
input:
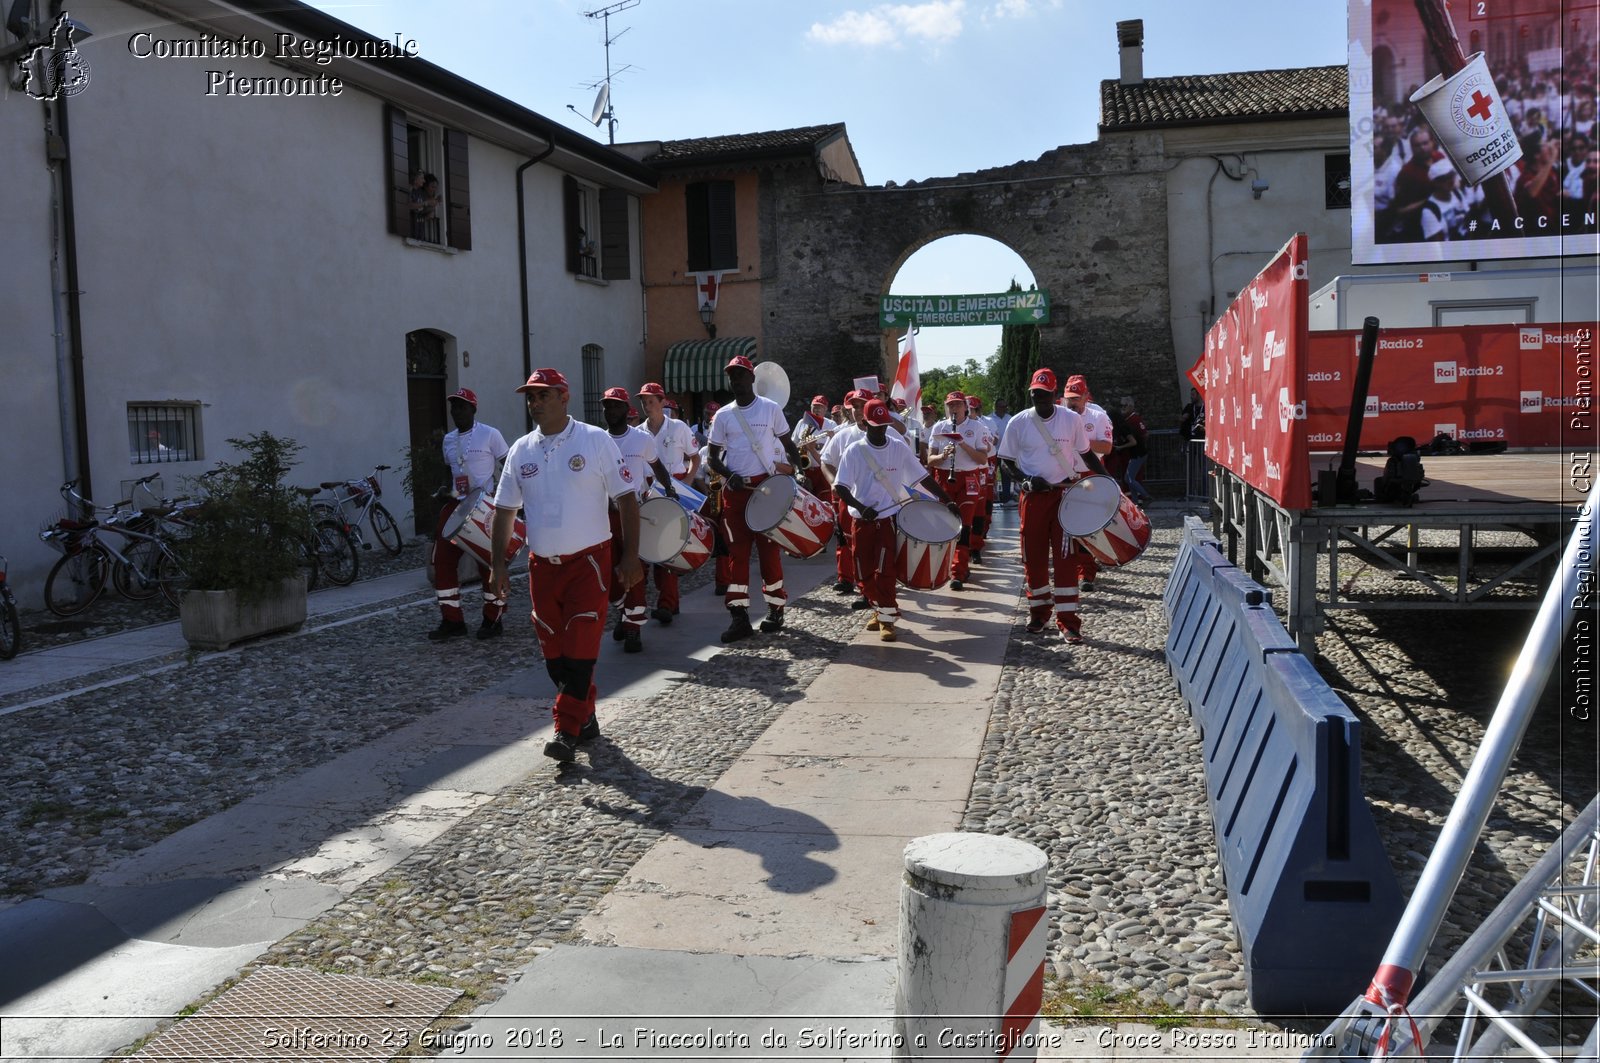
(740, 627)
(491, 629)
(1088, 585)
(1074, 638)
(774, 620)
(619, 632)
(1035, 626)
(563, 747)
(956, 584)
(977, 557)
(448, 629)
(844, 586)
(590, 730)
(860, 603)
(632, 644)
(662, 616)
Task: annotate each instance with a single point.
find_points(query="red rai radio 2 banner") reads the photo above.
(1520, 385)
(1472, 129)
(1252, 379)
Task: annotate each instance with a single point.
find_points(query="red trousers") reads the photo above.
(740, 540)
(666, 580)
(875, 546)
(569, 612)
(966, 490)
(1044, 551)
(844, 553)
(633, 599)
(447, 578)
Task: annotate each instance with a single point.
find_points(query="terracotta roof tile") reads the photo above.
(801, 141)
(1207, 99)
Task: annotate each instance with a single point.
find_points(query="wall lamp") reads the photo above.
(708, 316)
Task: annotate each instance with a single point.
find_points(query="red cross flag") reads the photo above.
(907, 381)
(707, 286)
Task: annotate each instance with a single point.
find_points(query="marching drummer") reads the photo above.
(1077, 398)
(638, 450)
(850, 430)
(959, 451)
(874, 474)
(1044, 449)
(679, 453)
(563, 473)
(741, 444)
(813, 431)
(473, 451)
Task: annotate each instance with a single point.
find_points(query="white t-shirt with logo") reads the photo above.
(1097, 422)
(973, 432)
(1024, 444)
(897, 463)
(833, 451)
(767, 426)
(674, 443)
(472, 454)
(564, 484)
(638, 450)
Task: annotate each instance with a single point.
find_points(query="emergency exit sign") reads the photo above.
(1000, 308)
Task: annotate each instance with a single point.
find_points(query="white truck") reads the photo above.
(1543, 295)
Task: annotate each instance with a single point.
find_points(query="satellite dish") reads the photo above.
(601, 99)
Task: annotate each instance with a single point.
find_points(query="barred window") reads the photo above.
(163, 432)
(1336, 181)
(594, 375)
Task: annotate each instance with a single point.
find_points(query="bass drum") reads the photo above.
(471, 525)
(1089, 505)
(1121, 541)
(925, 536)
(794, 518)
(673, 537)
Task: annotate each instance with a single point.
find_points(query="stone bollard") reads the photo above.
(972, 948)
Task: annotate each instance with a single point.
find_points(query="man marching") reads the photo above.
(810, 435)
(638, 450)
(848, 432)
(1045, 448)
(873, 476)
(959, 451)
(678, 452)
(745, 435)
(1097, 422)
(472, 452)
(564, 474)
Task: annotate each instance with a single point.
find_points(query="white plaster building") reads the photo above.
(182, 263)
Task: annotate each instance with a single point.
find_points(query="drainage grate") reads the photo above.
(279, 1013)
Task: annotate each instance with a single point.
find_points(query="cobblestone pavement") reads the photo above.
(1089, 755)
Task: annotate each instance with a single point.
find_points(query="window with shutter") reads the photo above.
(712, 238)
(583, 227)
(614, 235)
(415, 151)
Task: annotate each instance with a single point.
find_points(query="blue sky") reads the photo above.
(926, 89)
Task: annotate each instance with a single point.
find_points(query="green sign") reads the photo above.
(1002, 308)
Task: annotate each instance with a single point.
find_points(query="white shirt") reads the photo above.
(833, 453)
(1024, 445)
(973, 432)
(807, 427)
(996, 423)
(638, 450)
(1097, 422)
(564, 483)
(474, 453)
(767, 425)
(674, 444)
(898, 465)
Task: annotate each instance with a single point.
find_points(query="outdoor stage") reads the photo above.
(1485, 533)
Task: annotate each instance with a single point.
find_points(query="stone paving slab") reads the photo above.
(875, 729)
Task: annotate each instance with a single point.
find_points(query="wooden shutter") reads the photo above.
(458, 192)
(614, 238)
(397, 170)
(720, 235)
(569, 208)
(697, 232)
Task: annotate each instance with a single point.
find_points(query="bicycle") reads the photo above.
(77, 580)
(363, 495)
(329, 548)
(10, 625)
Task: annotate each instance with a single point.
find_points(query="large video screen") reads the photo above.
(1473, 129)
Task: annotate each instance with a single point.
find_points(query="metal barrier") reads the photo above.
(1312, 893)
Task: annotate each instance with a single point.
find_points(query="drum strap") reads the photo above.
(883, 480)
(1051, 443)
(751, 437)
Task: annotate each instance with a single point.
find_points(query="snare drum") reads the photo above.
(1089, 505)
(794, 518)
(471, 528)
(1121, 541)
(672, 536)
(925, 537)
(688, 497)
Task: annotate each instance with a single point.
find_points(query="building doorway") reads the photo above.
(426, 379)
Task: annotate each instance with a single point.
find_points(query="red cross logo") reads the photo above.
(1480, 106)
(708, 289)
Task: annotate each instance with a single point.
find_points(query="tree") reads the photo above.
(1016, 361)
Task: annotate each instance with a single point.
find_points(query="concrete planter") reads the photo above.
(215, 620)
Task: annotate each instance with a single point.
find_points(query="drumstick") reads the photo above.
(1440, 31)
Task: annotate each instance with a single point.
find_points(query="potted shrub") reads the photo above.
(245, 556)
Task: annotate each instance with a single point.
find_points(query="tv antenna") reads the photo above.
(602, 109)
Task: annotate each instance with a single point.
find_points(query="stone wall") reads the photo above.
(1090, 221)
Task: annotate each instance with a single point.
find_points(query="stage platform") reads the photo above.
(1485, 533)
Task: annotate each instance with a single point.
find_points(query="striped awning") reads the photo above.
(693, 366)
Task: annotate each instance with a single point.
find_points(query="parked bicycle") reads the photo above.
(355, 502)
(328, 546)
(10, 626)
(142, 565)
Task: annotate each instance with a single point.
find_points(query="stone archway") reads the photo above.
(1090, 220)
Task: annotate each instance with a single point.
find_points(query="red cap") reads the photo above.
(928, 407)
(653, 389)
(877, 413)
(466, 396)
(819, 400)
(1043, 380)
(973, 402)
(632, 412)
(615, 394)
(858, 396)
(954, 396)
(712, 407)
(739, 362)
(899, 404)
(1076, 385)
(671, 404)
(546, 378)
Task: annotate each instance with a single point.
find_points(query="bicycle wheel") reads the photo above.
(336, 553)
(309, 564)
(171, 577)
(76, 581)
(387, 531)
(10, 630)
(137, 579)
